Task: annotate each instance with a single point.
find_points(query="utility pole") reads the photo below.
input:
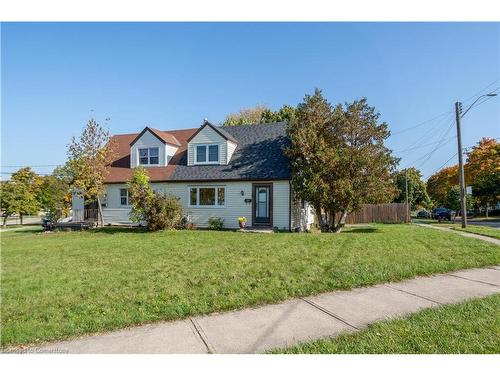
(461, 177)
(406, 196)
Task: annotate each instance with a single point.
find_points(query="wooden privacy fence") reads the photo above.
(379, 213)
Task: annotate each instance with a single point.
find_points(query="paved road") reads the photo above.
(259, 329)
(491, 224)
(26, 220)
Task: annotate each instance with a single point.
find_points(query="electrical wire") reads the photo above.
(420, 124)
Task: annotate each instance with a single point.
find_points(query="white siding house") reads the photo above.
(215, 172)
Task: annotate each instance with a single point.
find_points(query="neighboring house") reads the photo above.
(216, 172)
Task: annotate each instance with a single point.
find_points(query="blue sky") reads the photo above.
(171, 76)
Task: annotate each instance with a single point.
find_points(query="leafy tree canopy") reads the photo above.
(339, 160)
(55, 195)
(20, 195)
(259, 114)
(417, 192)
(159, 211)
(440, 183)
(483, 171)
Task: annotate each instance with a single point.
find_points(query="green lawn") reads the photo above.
(477, 229)
(485, 231)
(60, 285)
(468, 327)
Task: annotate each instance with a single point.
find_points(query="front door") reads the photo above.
(262, 204)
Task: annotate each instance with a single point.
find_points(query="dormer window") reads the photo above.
(149, 156)
(207, 154)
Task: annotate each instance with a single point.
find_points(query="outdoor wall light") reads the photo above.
(242, 192)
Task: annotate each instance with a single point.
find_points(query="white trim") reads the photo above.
(197, 187)
(206, 162)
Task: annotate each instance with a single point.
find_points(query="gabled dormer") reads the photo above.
(210, 145)
(152, 148)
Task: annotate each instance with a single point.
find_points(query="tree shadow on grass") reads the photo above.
(118, 230)
(361, 230)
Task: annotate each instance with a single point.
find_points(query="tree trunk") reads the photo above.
(338, 226)
(5, 221)
(21, 219)
(487, 206)
(99, 209)
(319, 216)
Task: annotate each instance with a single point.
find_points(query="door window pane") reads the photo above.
(207, 196)
(213, 153)
(221, 199)
(192, 196)
(262, 206)
(201, 154)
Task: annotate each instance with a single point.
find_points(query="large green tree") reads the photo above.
(417, 192)
(483, 171)
(246, 116)
(88, 158)
(339, 160)
(259, 114)
(20, 195)
(55, 195)
(440, 183)
(9, 202)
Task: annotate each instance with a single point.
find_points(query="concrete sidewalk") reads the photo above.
(462, 233)
(256, 330)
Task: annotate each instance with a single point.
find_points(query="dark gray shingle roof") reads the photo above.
(258, 156)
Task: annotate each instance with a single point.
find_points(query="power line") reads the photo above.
(426, 157)
(431, 133)
(481, 91)
(455, 154)
(31, 166)
(439, 143)
(421, 124)
(438, 169)
(422, 146)
(445, 113)
(437, 146)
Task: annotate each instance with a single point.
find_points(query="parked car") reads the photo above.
(424, 214)
(48, 225)
(442, 213)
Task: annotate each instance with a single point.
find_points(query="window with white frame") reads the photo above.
(207, 154)
(207, 196)
(149, 156)
(124, 197)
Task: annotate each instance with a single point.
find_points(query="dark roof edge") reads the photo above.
(147, 128)
(223, 134)
(212, 180)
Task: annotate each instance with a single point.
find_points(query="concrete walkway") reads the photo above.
(462, 233)
(259, 329)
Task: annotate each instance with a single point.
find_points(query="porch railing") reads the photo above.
(87, 214)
